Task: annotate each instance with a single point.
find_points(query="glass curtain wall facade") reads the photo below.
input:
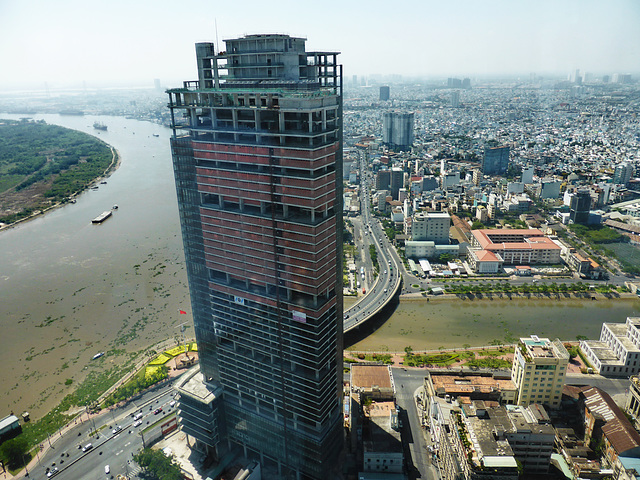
(257, 152)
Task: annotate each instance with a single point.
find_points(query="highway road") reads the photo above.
(108, 448)
(368, 231)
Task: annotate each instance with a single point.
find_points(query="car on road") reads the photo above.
(137, 423)
(54, 471)
(107, 470)
(117, 430)
(87, 447)
(157, 411)
(137, 417)
(172, 403)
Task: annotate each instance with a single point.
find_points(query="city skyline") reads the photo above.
(75, 44)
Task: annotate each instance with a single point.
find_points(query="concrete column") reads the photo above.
(281, 125)
(285, 210)
(234, 116)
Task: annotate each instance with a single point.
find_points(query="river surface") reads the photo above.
(451, 323)
(70, 289)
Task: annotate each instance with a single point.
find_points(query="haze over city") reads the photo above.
(73, 43)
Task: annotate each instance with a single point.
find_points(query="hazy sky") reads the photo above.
(66, 42)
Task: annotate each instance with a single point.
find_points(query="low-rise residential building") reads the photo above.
(539, 370)
(617, 353)
(488, 441)
(468, 386)
(607, 424)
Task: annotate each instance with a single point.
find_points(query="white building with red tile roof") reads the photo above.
(517, 246)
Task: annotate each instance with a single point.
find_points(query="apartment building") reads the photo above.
(539, 370)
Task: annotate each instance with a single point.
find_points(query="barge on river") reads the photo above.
(102, 217)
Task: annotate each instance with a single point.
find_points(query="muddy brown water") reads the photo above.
(452, 323)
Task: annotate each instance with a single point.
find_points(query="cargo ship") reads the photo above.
(99, 126)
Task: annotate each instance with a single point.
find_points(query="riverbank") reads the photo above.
(116, 161)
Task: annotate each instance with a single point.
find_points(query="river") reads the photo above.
(70, 289)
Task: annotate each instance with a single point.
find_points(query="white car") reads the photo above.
(137, 423)
(172, 403)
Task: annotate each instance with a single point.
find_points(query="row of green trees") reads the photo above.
(506, 287)
(136, 385)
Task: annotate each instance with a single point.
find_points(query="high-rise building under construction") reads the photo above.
(257, 153)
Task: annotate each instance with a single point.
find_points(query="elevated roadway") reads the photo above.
(388, 282)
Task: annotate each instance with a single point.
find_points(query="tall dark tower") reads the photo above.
(257, 153)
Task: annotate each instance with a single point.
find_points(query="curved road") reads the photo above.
(389, 278)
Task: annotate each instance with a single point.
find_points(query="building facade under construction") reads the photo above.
(257, 153)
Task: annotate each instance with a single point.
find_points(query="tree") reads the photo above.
(477, 225)
(157, 466)
(13, 451)
(445, 257)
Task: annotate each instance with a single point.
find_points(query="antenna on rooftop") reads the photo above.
(217, 44)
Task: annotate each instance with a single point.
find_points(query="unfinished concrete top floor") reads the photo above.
(257, 57)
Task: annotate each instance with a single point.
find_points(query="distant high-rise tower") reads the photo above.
(495, 161)
(580, 206)
(455, 98)
(257, 155)
(622, 173)
(384, 93)
(527, 175)
(398, 130)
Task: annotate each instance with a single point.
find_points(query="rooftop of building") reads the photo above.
(368, 376)
(620, 330)
(602, 351)
(382, 437)
(432, 215)
(484, 427)
(544, 348)
(193, 385)
(463, 385)
(618, 429)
